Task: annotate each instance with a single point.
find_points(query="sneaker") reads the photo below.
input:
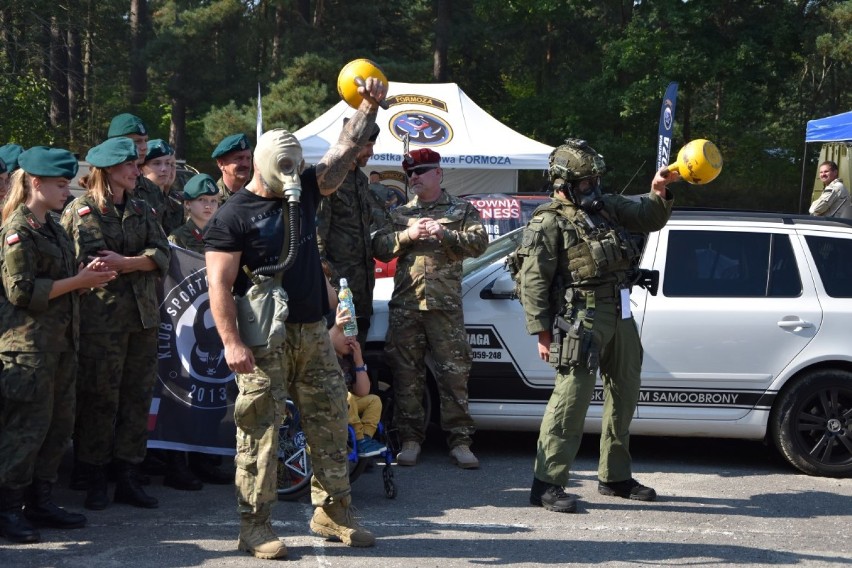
(409, 454)
(551, 497)
(368, 447)
(630, 489)
(337, 521)
(463, 457)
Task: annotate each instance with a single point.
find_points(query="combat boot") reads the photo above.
(258, 539)
(41, 510)
(463, 457)
(337, 521)
(551, 497)
(128, 490)
(13, 524)
(79, 476)
(96, 488)
(409, 453)
(178, 474)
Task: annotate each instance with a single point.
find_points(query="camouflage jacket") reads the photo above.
(428, 272)
(224, 192)
(34, 255)
(345, 221)
(128, 303)
(547, 239)
(188, 236)
(168, 208)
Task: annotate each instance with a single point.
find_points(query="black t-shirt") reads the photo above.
(254, 226)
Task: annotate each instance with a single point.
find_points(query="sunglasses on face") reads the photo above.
(420, 170)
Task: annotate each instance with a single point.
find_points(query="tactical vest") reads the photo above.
(604, 252)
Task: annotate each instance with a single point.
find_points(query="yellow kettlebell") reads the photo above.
(353, 75)
(698, 162)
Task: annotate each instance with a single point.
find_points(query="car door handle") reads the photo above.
(794, 324)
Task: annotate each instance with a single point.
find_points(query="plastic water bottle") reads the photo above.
(347, 301)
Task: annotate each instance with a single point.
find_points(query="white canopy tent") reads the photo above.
(479, 154)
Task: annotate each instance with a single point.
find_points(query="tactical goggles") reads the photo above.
(420, 170)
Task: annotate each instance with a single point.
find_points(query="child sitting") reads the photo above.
(365, 409)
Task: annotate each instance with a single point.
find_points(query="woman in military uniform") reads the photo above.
(39, 315)
(201, 200)
(160, 169)
(118, 343)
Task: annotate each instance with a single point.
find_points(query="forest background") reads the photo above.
(751, 74)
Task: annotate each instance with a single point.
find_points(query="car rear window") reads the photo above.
(727, 264)
(833, 258)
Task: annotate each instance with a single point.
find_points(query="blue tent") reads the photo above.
(837, 128)
(835, 135)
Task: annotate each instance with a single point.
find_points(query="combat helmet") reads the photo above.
(575, 160)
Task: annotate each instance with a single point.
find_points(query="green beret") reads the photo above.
(2, 166)
(157, 149)
(124, 124)
(9, 154)
(111, 152)
(44, 161)
(232, 143)
(198, 185)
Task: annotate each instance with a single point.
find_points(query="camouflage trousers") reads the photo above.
(409, 334)
(562, 425)
(304, 369)
(36, 415)
(115, 383)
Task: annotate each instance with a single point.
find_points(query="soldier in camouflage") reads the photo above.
(118, 347)
(39, 319)
(249, 231)
(233, 158)
(159, 169)
(345, 221)
(201, 199)
(430, 235)
(576, 259)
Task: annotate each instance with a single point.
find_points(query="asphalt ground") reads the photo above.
(721, 502)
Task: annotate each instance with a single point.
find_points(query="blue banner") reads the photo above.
(664, 135)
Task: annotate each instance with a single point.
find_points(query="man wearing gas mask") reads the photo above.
(248, 232)
(574, 265)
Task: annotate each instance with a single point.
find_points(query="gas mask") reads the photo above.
(278, 158)
(586, 194)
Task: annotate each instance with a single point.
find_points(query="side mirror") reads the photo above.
(502, 288)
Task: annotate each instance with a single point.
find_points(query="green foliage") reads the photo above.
(24, 100)
(751, 73)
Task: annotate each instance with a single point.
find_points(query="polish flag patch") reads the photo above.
(83, 211)
(12, 239)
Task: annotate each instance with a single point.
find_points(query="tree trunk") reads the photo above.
(177, 130)
(442, 35)
(58, 77)
(138, 39)
(75, 74)
(277, 43)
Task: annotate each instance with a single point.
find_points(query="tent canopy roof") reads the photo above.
(837, 128)
(436, 115)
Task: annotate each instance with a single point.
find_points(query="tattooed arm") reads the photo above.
(332, 168)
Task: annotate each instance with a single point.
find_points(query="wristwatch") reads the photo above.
(361, 368)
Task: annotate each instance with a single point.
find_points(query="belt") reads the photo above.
(605, 292)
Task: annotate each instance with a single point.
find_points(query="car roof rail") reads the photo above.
(749, 215)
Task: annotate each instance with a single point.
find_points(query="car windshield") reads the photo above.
(497, 249)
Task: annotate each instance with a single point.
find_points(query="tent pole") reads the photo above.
(802, 187)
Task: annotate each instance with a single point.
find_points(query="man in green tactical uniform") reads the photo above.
(233, 158)
(575, 263)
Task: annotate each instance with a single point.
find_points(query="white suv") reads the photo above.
(749, 336)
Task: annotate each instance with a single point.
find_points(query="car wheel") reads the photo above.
(811, 423)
